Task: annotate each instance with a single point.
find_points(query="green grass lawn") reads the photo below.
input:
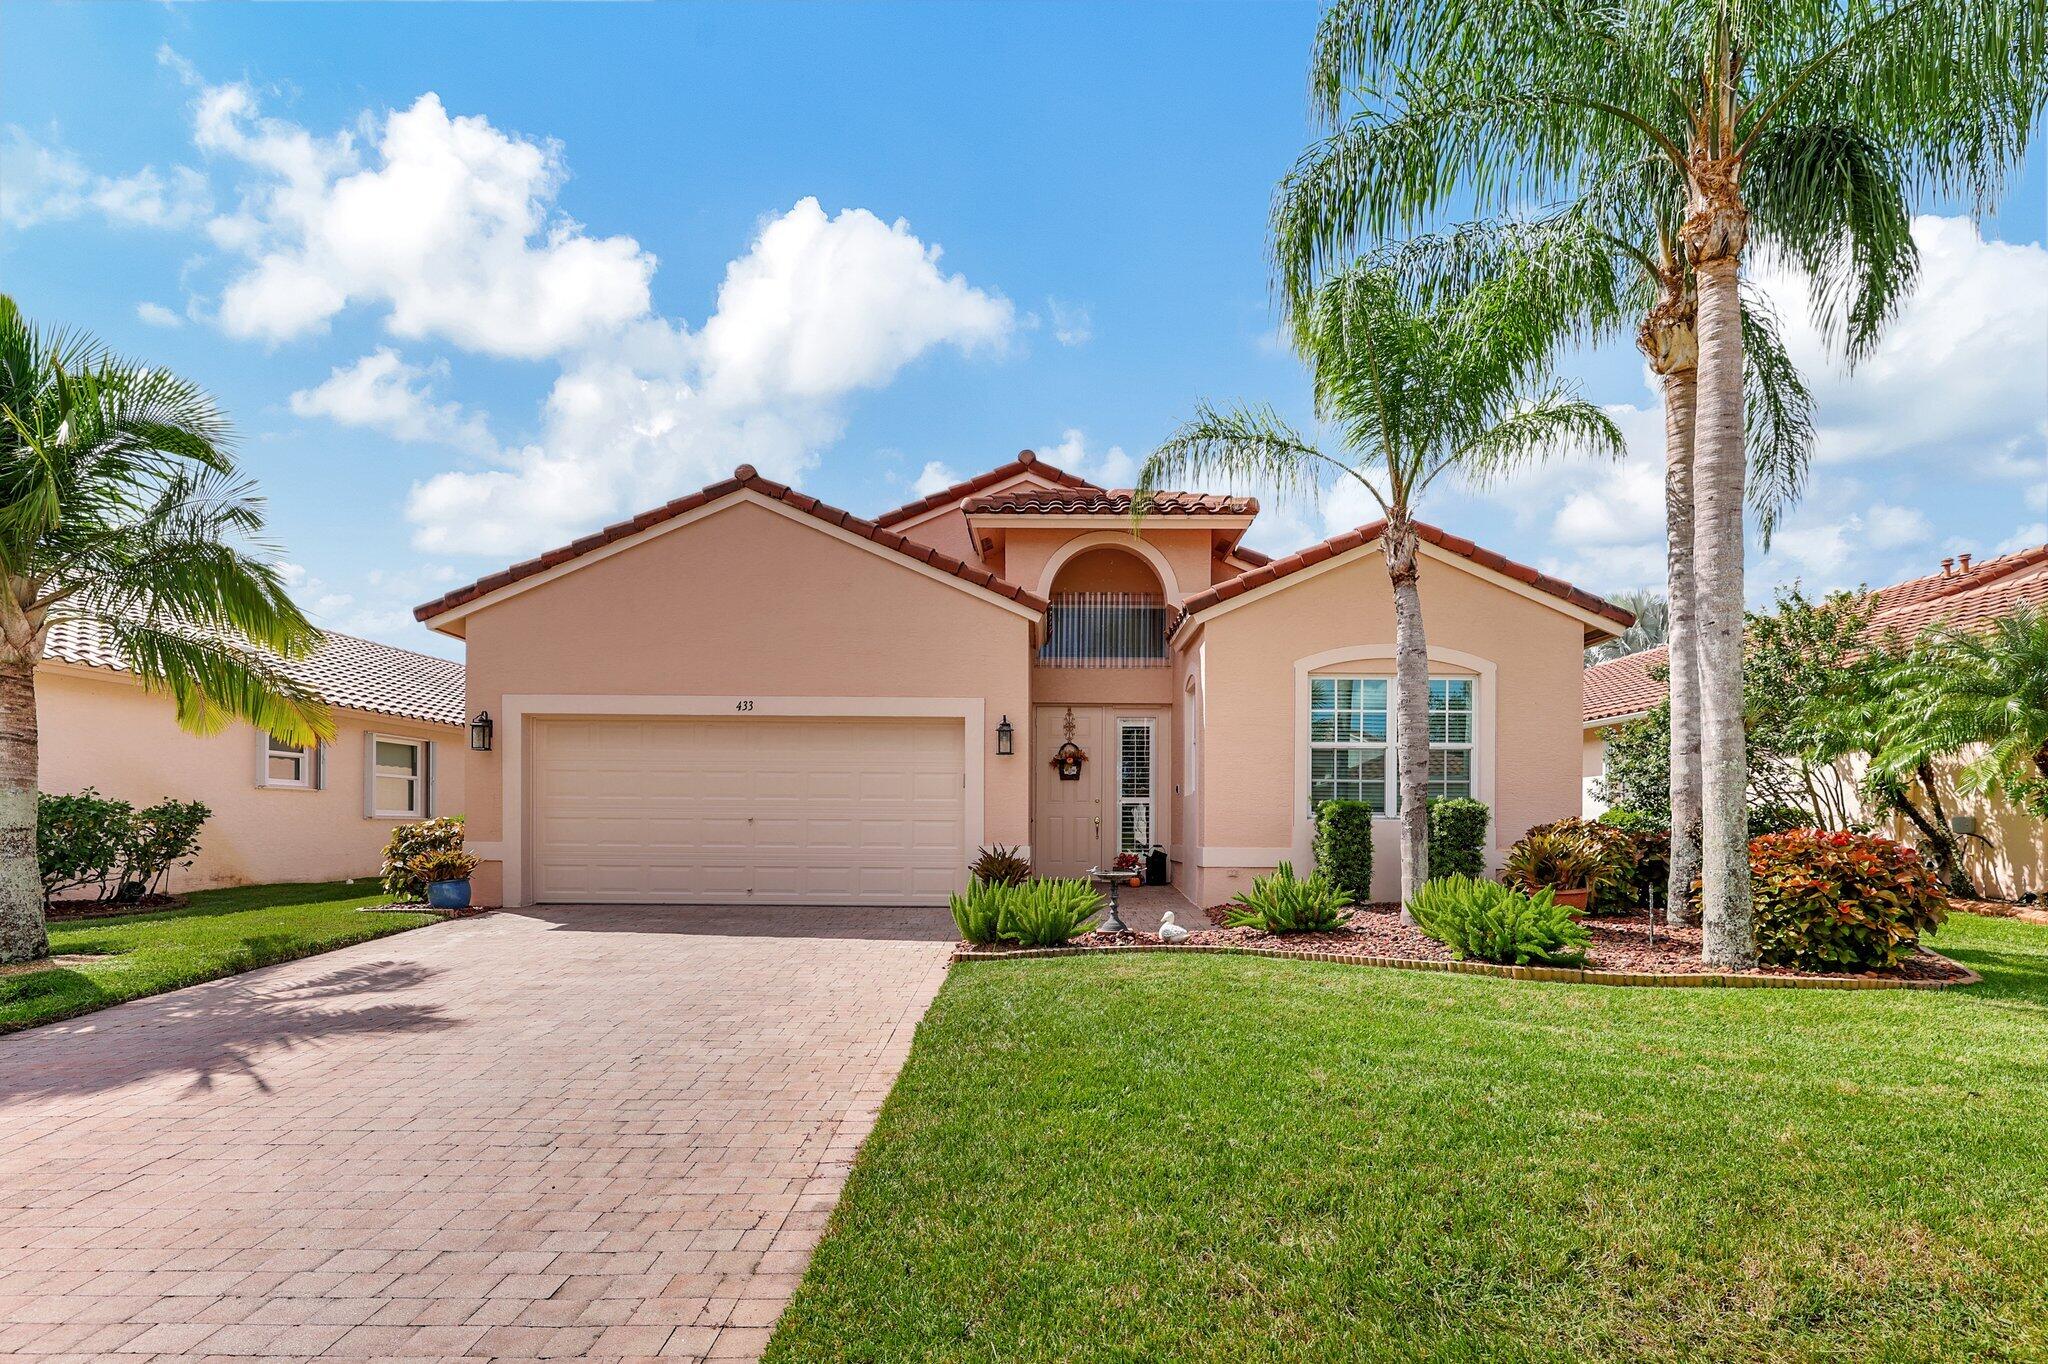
(1225, 1158)
(218, 933)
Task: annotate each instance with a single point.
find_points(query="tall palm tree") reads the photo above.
(119, 504)
(1768, 114)
(1652, 610)
(1411, 392)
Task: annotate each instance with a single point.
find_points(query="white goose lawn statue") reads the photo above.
(1169, 931)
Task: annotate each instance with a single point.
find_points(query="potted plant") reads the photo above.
(1129, 867)
(1558, 860)
(446, 872)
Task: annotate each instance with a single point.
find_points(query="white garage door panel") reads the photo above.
(764, 809)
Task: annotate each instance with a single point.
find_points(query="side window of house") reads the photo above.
(288, 765)
(1351, 740)
(398, 777)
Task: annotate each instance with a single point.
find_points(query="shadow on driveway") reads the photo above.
(880, 923)
(212, 1030)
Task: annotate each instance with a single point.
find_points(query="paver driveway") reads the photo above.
(611, 1132)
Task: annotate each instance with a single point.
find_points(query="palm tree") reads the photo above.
(1768, 114)
(1652, 610)
(1983, 689)
(119, 504)
(1411, 393)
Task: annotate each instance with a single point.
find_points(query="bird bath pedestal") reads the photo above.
(1113, 924)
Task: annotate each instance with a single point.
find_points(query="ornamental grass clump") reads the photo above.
(978, 914)
(1031, 914)
(1285, 903)
(1492, 922)
(1840, 901)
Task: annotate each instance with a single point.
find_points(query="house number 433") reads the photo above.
(744, 705)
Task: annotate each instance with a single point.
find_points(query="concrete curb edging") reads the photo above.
(1567, 975)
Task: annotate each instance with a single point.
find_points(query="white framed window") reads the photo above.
(1134, 786)
(397, 780)
(1352, 735)
(287, 764)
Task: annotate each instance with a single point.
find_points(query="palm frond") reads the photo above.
(215, 683)
(1778, 414)
(1553, 424)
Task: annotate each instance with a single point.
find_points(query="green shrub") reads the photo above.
(1457, 836)
(978, 914)
(1047, 913)
(1493, 922)
(1000, 865)
(1283, 903)
(1552, 857)
(1840, 901)
(1626, 862)
(1343, 846)
(407, 844)
(90, 840)
(1764, 820)
(1635, 821)
(78, 839)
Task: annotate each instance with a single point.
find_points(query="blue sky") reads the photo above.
(474, 279)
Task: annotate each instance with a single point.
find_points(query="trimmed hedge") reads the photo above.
(1343, 847)
(1457, 837)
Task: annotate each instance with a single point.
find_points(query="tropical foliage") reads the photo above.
(89, 841)
(407, 845)
(1492, 922)
(1840, 901)
(1652, 627)
(1801, 130)
(120, 505)
(1029, 913)
(1284, 903)
(1979, 691)
(998, 863)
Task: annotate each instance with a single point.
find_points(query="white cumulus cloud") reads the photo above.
(935, 477)
(157, 315)
(43, 183)
(384, 393)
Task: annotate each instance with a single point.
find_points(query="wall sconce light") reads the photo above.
(480, 732)
(1006, 738)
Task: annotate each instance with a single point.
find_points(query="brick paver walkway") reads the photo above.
(577, 1132)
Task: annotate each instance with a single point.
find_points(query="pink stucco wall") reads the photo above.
(1248, 792)
(749, 601)
(103, 731)
(1028, 551)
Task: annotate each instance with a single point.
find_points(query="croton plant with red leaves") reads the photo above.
(1828, 901)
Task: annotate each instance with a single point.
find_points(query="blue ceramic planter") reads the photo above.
(448, 894)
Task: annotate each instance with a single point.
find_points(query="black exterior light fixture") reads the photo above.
(480, 732)
(1006, 738)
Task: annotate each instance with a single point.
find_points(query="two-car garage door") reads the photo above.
(764, 810)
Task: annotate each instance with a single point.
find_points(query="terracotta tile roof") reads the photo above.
(1027, 461)
(1097, 501)
(351, 673)
(1623, 686)
(1250, 556)
(1366, 534)
(743, 477)
(1963, 599)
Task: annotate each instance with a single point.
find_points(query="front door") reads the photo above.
(1068, 818)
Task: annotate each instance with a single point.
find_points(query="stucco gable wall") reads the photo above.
(1250, 792)
(106, 732)
(1028, 553)
(749, 602)
(945, 528)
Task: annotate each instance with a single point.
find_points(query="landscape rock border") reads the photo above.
(1563, 975)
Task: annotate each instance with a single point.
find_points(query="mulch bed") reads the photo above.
(1619, 945)
(109, 909)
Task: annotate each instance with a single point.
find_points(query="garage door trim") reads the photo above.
(517, 708)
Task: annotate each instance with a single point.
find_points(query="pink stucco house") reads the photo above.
(279, 813)
(747, 695)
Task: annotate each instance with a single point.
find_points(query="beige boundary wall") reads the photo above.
(101, 729)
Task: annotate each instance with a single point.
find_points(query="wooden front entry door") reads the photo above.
(1070, 822)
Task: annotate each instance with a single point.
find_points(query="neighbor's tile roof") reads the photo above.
(1027, 461)
(743, 477)
(1962, 599)
(1366, 534)
(1623, 686)
(351, 673)
(1098, 501)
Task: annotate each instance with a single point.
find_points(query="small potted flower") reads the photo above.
(1130, 867)
(446, 872)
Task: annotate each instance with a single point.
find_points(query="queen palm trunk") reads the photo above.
(1681, 388)
(1716, 227)
(22, 935)
(1411, 707)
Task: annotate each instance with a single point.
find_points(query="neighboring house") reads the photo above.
(1962, 596)
(279, 813)
(747, 695)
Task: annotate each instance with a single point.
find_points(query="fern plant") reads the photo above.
(1497, 923)
(1047, 913)
(978, 914)
(1285, 903)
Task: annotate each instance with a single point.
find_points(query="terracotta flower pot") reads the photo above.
(1573, 900)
